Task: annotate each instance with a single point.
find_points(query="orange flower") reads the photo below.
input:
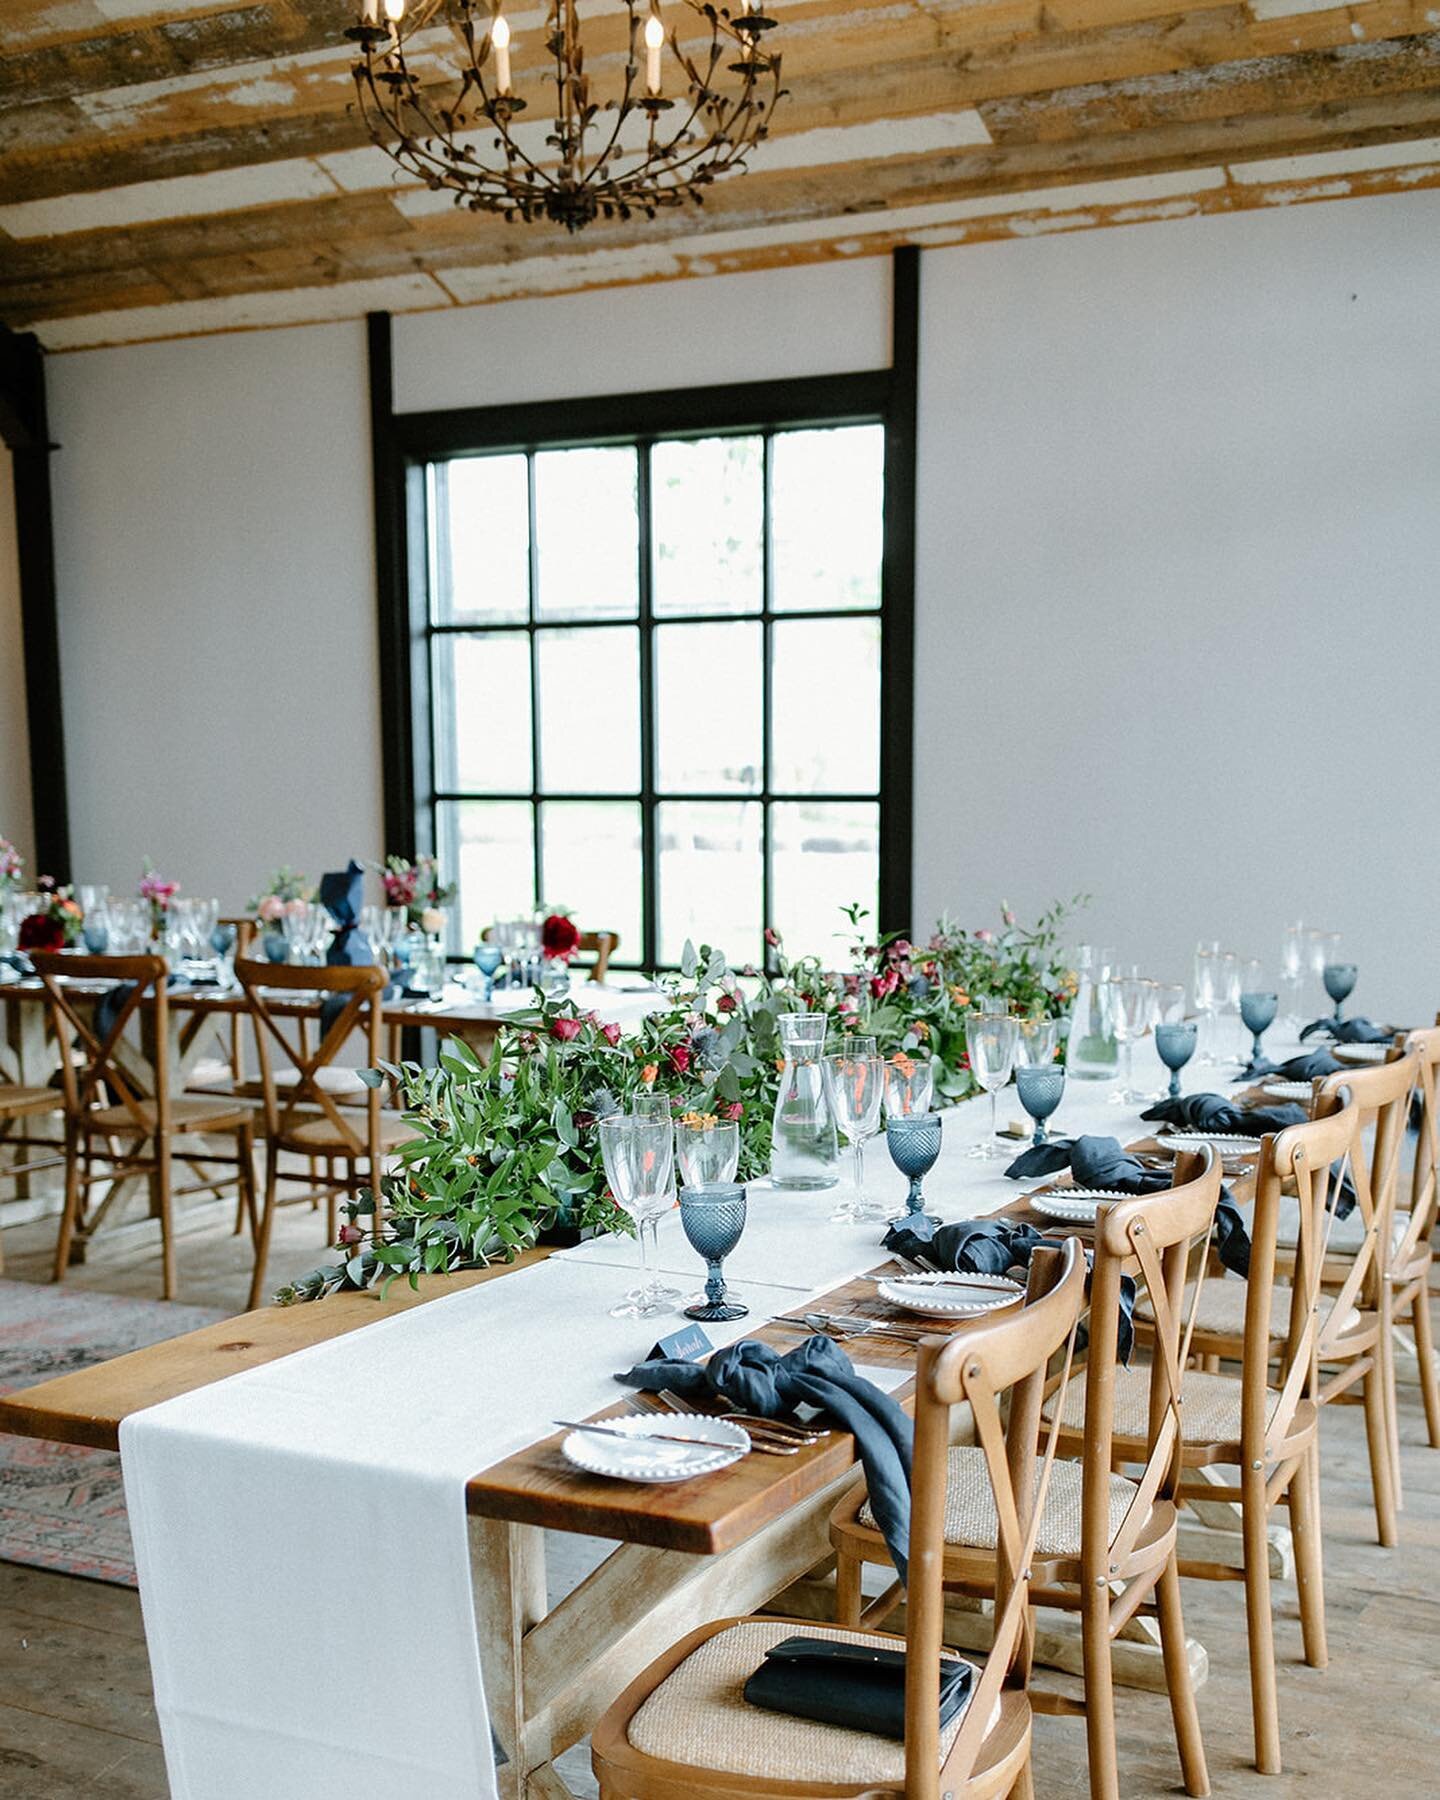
(905, 1064)
(649, 1072)
(920, 1028)
(959, 996)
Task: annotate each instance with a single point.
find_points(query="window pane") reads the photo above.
(825, 707)
(589, 701)
(708, 708)
(708, 500)
(481, 514)
(710, 877)
(588, 528)
(828, 517)
(482, 712)
(591, 863)
(487, 846)
(824, 855)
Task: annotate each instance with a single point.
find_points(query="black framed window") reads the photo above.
(654, 685)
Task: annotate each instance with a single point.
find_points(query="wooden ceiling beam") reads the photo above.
(74, 153)
(343, 245)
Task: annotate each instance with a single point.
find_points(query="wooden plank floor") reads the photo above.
(77, 1719)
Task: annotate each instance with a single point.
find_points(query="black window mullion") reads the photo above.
(536, 778)
(649, 836)
(767, 631)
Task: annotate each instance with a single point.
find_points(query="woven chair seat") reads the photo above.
(699, 1716)
(1222, 1308)
(321, 1134)
(1211, 1405)
(218, 1114)
(970, 1521)
(16, 1101)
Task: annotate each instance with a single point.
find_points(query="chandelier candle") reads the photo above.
(610, 153)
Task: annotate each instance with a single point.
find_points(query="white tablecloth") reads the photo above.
(300, 1529)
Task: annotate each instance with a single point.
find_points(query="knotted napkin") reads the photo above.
(1348, 1031)
(818, 1373)
(1100, 1162)
(1213, 1112)
(341, 894)
(992, 1247)
(1297, 1068)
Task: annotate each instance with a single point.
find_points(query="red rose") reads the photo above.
(680, 1058)
(726, 1003)
(558, 937)
(348, 1235)
(565, 1029)
(881, 985)
(41, 932)
(610, 1032)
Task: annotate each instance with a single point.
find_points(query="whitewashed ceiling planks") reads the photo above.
(197, 166)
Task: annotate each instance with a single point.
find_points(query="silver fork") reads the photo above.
(763, 1442)
(794, 1433)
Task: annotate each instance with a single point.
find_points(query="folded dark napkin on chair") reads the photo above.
(1296, 1068)
(991, 1247)
(1213, 1112)
(1348, 1031)
(18, 961)
(758, 1379)
(854, 1685)
(1100, 1162)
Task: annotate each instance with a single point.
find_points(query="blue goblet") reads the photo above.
(714, 1217)
(1339, 979)
(1258, 1014)
(96, 934)
(488, 958)
(1040, 1090)
(1175, 1044)
(277, 949)
(913, 1140)
(222, 939)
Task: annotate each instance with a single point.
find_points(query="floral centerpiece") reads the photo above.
(56, 922)
(157, 893)
(12, 867)
(418, 888)
(506, 1151)
(285, 887)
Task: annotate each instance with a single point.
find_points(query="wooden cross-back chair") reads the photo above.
(18, 1104)
(1267, 1426)
(1100, 1530)
(302, 1112)
(1411, 1252)
(680, 1729)
(1353, 1342)
(116, 1095)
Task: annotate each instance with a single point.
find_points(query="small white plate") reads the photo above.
(1077, 1206)
(950, 1296)
(1227, 1143)
(1286, 1090)
(654, 1460)
(1360, 1053)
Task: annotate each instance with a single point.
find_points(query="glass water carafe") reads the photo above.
(805, 1152)
(1092, 1052)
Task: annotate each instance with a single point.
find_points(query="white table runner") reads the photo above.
(300, 1529)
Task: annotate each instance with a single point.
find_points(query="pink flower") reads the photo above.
(985, 937)
(610, 1031)
(348, 1235)
(726, 1003)
(565, 1029)
(272, 907)
(732, 1109)
(883, 985)
(772, 937)
(1008, 916)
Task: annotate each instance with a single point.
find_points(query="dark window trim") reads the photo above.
(24, 427)
(402, 444)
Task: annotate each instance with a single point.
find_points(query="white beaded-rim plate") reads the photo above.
(1286, 1090)
(650, 1459)
(1360, 1053)
(1227, 1143)
(950, 1296)
(1077, 1206)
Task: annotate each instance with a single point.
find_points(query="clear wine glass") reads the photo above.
(1132, 1018)
(909, 1085)
(639, 1158)
(991, 1040)
(707, 1150)
(1292, 972)
(1231, 983)
(1207, 989)
(1038, 1041)
(855, 1085)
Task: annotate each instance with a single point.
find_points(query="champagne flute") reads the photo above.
(855, 1085)
(991, 1040)
(639, 1158)
(1132, 1018)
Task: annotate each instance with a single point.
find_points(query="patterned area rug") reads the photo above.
(62, 1506)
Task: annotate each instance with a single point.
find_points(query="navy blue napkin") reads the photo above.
(760, 1380)
(1100, 1162)
(1348, 1031)
(1296, 1068)
(341, 894)
(992, 1247)
(1213, 1112)
(18, 961)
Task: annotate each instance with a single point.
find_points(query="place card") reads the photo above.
(689, 1345)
